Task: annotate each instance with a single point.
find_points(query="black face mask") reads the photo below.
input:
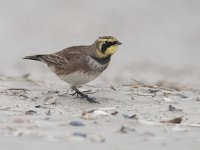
(106, 45)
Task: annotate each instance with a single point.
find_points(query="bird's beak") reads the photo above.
(119, 43)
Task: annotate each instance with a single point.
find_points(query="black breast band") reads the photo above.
(102, 61)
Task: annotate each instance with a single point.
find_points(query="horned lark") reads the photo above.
(78, 65)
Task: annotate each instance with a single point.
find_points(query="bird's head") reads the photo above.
(106, 46)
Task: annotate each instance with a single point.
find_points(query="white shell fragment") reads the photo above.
(94, 114)
(167, 99)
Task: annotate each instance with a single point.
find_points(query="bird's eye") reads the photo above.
(104, 47)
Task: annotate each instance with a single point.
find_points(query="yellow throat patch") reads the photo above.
(109, 51)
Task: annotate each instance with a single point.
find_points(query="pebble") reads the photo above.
(79, 134)
(172, 108)
(76, 123)
(30, 112)
(176, 120)
(130, 116)
(126, 129)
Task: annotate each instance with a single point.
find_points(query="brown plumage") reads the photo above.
(80, 64)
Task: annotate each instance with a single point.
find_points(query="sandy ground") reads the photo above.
(33, 115)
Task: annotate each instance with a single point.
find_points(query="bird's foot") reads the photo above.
(83, 95)
(75, 93)
(92, 99)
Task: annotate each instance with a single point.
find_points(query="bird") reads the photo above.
(78, 65)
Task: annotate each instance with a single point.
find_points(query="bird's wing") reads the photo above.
(55, 60)
(67, 62)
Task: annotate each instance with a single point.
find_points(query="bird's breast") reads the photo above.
(79, 78)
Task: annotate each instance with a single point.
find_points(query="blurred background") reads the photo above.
(161, 39)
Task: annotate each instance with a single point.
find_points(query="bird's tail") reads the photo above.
(34, 57)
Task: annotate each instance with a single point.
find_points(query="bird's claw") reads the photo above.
(92, 100)
(82, 96)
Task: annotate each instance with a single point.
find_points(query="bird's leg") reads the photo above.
(84, 95)
(75, 93)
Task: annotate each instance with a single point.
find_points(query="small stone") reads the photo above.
(114, 113)
(153, 90)
(172, 108)
(79, 134)
(177, 120)
(130, 116)
(126, 129)
(183, 96)
(198, 99)
(30, 112)
(76, 123)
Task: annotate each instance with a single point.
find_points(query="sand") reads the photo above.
(33, 115)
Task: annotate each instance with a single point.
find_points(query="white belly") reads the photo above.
(78, 78)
